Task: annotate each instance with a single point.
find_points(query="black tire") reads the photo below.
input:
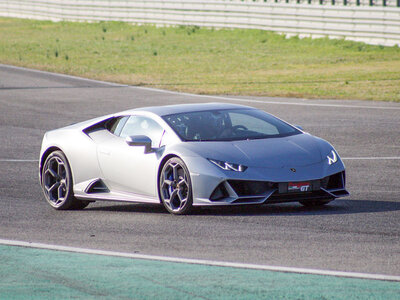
(175, 187)
(56, 180)
(315, 203)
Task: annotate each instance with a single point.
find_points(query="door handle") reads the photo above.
(104, 151)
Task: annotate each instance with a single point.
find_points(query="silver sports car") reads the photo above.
(188, 155)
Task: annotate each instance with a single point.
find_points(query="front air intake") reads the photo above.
(219, 193)
(334, 182)
(245, 188)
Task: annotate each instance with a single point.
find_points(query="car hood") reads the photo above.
(292, 151)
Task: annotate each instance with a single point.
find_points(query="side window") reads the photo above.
(115, 125)
(139, 125)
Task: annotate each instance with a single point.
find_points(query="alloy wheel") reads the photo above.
(175, 187)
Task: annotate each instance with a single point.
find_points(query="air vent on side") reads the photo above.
(98, 126)
(97, 186)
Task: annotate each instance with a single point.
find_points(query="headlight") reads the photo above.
(332, 157)
(228, 166)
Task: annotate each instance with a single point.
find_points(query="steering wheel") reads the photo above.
(237, 128)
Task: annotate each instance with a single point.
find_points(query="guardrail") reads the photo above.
(367, 23)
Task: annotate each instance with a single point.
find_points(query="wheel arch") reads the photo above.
(45, 155)
(69, 201)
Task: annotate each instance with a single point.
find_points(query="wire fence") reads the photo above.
(389, 3)
(360, 20)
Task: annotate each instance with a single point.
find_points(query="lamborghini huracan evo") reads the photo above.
(188, 155)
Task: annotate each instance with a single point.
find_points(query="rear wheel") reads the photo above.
(176, 187)
(315, 203)
(57, 183)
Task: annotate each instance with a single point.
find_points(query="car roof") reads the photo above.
(182, 108)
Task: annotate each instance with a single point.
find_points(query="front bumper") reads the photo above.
(234, 191)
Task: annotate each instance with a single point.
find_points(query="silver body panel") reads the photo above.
(131, 175)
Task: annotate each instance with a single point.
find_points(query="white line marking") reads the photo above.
(204, 96)
(372, 158)
(63, 75)
(261, 101)
(201, 261)
(18, 160)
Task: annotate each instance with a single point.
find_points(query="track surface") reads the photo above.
(360, 233)
(28, 273)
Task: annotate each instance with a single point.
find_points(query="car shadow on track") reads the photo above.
(284, 209)
(131, 207)
(337, 207)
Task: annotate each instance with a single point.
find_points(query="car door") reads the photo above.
(127, 168)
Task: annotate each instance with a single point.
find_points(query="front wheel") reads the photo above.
(315, 203)
(57, 183)
(176, 187)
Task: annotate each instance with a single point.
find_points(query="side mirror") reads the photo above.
(140, 140)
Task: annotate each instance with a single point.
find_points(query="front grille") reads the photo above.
(245, 188)
(295, 197)
(255, 191)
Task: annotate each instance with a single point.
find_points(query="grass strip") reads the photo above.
(205, 60)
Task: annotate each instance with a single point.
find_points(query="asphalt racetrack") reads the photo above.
(360, 233)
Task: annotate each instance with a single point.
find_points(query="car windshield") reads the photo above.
(228, 125)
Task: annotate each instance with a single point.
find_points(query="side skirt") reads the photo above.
(119, 197)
